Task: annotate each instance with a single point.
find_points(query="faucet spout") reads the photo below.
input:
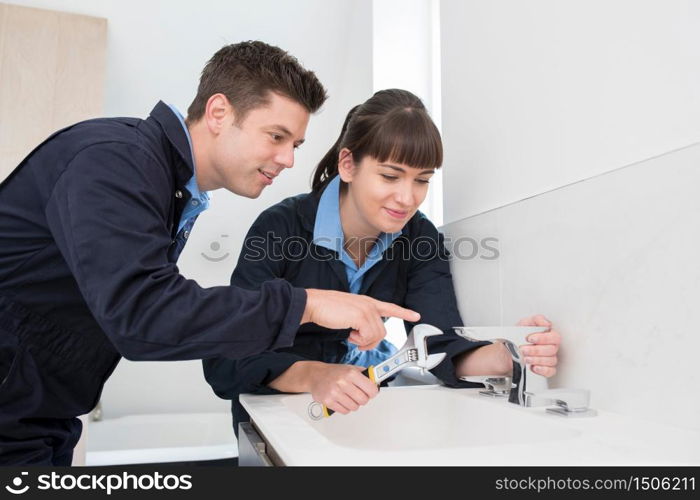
(567, 402)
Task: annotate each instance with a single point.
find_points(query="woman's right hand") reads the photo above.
(342, 388)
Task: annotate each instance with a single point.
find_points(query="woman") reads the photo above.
(359, 230)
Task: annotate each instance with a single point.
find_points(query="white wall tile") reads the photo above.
(613, 262)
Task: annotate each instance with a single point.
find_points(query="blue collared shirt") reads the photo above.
(200, 200)
(328, 233)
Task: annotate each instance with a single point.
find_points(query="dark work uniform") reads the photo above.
(88, 246)
(413, 273)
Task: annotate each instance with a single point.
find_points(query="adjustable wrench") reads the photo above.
(413, 353)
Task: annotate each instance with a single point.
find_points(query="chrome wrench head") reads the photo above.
(417, 338)
(414, 352)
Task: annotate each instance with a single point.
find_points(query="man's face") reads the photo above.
(247, 156)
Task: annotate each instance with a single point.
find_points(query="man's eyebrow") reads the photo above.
(399, 169)
(285, 131)
(281, 128)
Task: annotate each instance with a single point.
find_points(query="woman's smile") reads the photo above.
(396, 214)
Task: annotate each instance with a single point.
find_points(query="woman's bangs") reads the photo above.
(409, 138)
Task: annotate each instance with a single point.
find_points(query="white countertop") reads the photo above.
(436, 425)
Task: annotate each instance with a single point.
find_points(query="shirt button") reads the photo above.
(195, 203)
(178, 194)
(186, 234)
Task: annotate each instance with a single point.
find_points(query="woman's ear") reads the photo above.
(346, 165)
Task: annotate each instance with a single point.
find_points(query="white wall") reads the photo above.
(156, 49)
(543, 93)
(406, 51)
(571, 130)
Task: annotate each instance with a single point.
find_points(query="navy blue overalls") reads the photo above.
(414, 273)
(88, 251)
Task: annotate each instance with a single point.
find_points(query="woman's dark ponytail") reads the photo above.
(327, 168)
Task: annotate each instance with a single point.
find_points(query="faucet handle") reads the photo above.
(568, 402)
(512, 337)
(496, 385)
(516, 334)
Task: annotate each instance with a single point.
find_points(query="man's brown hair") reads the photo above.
(247, 72)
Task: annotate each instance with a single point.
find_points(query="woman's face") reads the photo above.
(382, 197)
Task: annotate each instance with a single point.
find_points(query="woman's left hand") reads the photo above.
(541, 353)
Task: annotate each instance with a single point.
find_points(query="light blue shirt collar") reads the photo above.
(328, 230)
(328, 233)
(200, 199)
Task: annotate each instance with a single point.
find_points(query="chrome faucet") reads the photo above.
(518, 379)
(497, 386)
(568, 402)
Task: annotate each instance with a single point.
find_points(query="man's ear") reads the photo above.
(346, 165)
(216, 113)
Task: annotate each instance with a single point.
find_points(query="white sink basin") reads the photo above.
(413, 412)
(435, 425)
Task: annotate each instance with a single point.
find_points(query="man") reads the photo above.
(92, 223)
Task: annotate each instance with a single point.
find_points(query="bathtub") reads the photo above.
(160, 438)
